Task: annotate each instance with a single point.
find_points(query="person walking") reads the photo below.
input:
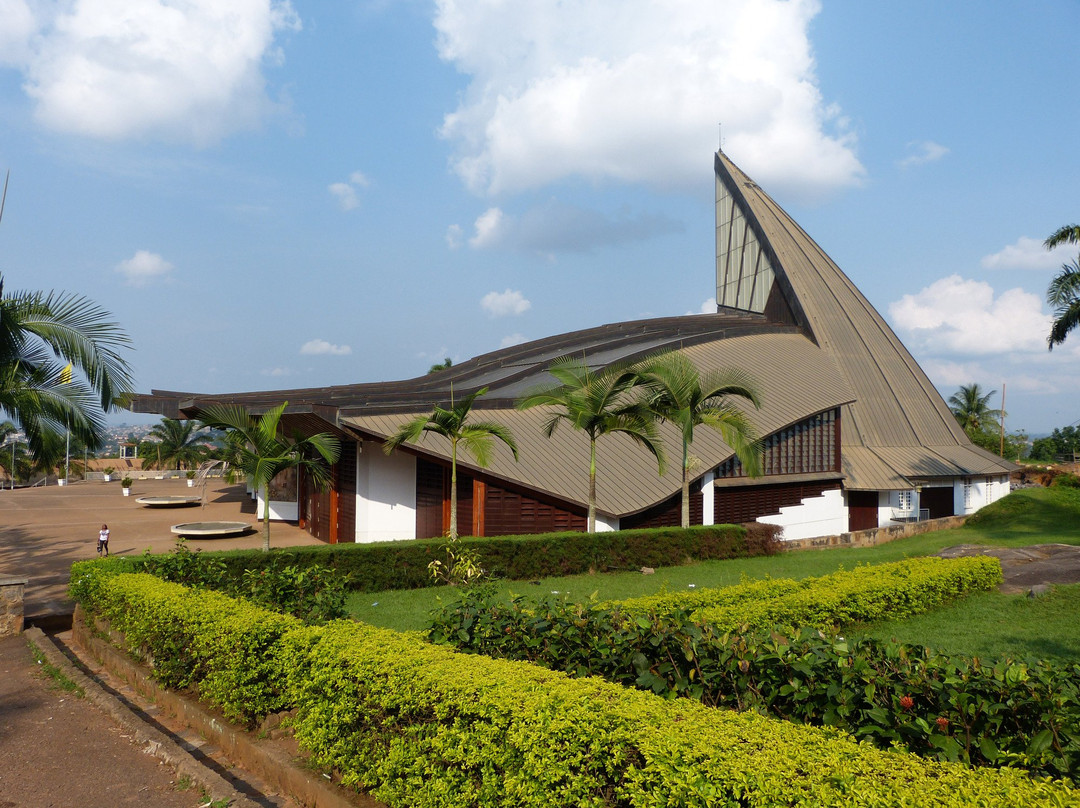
(103, 541)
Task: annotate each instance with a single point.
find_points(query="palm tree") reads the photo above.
(1063, 293)
(1069, 234)
(453, 424)
(180, 444)
(972, 408)
(260, 452)
(677, 392)
(598, 403)
(60, 365)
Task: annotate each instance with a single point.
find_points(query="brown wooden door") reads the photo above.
(862, 510)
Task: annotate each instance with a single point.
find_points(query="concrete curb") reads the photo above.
(153, 740)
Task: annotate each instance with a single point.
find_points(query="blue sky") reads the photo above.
(272, 195)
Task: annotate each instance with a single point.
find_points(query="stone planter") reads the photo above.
(108, 478)
(61, 482)
(127, 492)
(190, 483)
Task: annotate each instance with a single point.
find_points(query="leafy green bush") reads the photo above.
(312, 593)
(405, 564)
(1003, 714)
(218, 646)
(421, 725)
(1066, 480)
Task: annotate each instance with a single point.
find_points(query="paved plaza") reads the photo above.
(43, 530)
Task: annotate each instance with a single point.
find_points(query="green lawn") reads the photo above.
(987, 625)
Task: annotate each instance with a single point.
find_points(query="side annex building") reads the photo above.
(856, 436)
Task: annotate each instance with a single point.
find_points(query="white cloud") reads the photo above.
(921, 152)
(144, 267)
(503, 304)
(556, 227)
(320, 347)
(345, 192)
(454, 236)
(190, 72)
(512, 339)
(959, 316)
(632, 90)
(708, 307)
(487, 228)
(1025, 253)
(278, 371)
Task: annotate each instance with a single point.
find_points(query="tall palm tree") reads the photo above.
(1069, 234)
(677, 392)
(475, 437)
(60, 365)
(260, 452)
(599, 403)
(972, 408)
(180, 444)
(1063, 293)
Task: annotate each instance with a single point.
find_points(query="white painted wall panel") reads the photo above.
(385, 495)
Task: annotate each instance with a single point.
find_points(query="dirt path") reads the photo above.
(1038, 565)
(58, 751)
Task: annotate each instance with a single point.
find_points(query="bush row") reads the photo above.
(422, 725)
(867, 593)
(404, 564)
(312, 593)
(1004, 714)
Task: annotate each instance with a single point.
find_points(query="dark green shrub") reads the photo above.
(1004, 714)
(1066, 480)
(404, 564)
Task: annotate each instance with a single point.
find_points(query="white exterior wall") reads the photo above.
(979, 491)
(279, 511)
(606, 523)
(887, 500)
(826, 515)
(385, 494)
(708, 499)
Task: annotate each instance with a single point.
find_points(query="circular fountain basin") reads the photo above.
(168, 502)
(211, 530)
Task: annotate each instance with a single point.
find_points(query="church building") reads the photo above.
(855, 435)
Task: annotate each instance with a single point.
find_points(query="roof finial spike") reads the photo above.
(720, 135)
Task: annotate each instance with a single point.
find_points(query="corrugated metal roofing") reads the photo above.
(796, 378)
(896, 405)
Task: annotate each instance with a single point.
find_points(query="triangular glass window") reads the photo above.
(744, 275)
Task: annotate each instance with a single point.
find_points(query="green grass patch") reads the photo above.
(59, 680)
(1025, 517)
(992, 625)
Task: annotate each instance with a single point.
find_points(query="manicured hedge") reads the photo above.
(864, 594)
(422, 725)
(404, 564)
(1001, 714)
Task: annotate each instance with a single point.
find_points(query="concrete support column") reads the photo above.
(708, 499)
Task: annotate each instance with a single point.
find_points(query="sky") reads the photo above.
(273, 194)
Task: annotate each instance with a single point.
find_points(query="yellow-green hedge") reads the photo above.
(864, 594)
(421, 725)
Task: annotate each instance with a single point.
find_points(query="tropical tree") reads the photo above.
(678, 393)
(258, 450)
(477, 438)
(599, 403)
(178, 444)
(60, 366)
(1069, 234)
(1063, 293)
(972, 409)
